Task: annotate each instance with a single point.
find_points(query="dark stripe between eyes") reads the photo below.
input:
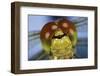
(59, 36)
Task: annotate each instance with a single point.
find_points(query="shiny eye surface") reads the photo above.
(54, 27)
(65, 25)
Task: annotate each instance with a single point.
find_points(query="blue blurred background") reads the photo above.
(35, 24)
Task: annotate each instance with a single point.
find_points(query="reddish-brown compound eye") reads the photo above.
(69, 29)
(46, 35)
(48, 30)
(67, 26)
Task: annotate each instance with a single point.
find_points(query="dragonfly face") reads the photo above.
(58, 39)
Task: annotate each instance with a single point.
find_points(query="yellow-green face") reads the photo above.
(61, 48)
